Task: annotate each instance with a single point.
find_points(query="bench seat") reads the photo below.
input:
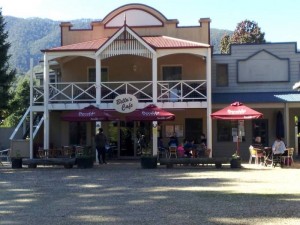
(169, 162)
(66, 162)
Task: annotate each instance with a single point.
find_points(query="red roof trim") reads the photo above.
(82, 46)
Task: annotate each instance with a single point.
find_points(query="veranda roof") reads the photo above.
(156, 42)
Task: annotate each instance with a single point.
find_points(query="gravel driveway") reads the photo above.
(123, 193)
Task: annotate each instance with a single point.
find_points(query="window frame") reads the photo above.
(222, 76)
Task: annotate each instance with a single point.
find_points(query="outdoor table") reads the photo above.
(67, 151)
(54, 152)
(42, 153)
(267, 150)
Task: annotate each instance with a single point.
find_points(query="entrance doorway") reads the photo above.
(124, 135)
(260, 129)
(126, 139)
(193, 129)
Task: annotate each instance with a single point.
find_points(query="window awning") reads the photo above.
(256, 97)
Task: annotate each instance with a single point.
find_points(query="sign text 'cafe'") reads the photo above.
(125, 103)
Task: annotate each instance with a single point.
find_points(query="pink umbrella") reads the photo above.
(150, 113)
(90, 113)
(236, 111)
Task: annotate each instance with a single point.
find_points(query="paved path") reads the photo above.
(123, 193)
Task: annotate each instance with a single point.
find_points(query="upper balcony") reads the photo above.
(85, 92)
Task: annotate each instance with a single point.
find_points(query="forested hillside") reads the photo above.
(29, 36)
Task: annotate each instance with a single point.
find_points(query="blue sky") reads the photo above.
(280, 20)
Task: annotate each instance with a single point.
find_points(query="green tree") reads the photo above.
(7, 74)
(245, 32)
(225, 44)
(20, 102)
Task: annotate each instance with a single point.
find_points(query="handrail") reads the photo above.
(38, 127)
(19, 124)
(167, 90)
(5, 154)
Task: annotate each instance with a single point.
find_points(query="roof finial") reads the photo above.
(124, 18)
(125, 28)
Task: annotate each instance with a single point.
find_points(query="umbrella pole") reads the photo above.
(237, 146)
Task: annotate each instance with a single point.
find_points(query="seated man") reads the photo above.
(257, 143)
(258, 148)
(173, 140)
(278, 149)
(160, 145)
(278, 146)
(188, 147)
(201, 149)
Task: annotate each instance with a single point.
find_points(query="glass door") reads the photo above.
(260, 129)
(124, 135)
(126, 139)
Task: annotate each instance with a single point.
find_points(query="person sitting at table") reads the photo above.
(202, 139)
(188, 147)
(173, 140)
(278, 146)
(201, 149)
(160, 145)
(257, 149)
(257, 143)
(180, 150)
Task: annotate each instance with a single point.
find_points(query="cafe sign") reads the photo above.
(125, 103)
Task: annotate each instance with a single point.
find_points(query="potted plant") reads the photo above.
(16, 160)
(85, 159)
(235, 161)
(148, 161)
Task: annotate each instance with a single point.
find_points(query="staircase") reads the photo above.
(23, 128)
(19, 138)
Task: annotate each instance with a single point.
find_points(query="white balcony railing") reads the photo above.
(85, 92)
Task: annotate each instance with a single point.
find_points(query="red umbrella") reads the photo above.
(90, 113)
(236, 111)
(150, 113)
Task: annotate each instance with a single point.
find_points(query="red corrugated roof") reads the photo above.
(93, 45)
(169, 42)
(157, 42)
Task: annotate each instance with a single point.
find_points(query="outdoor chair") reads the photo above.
(277, 160)
(256, 154)
(42, 153)
(79, 151)
(4, 154)
(288, 159)
(67, 151)
(162, 152)
(173, 151)
(207, 153)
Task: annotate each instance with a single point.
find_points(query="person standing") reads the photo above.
(100, 142)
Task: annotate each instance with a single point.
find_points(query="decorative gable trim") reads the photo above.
(125, 41)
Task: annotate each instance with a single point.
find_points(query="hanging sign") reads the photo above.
(125, 103)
